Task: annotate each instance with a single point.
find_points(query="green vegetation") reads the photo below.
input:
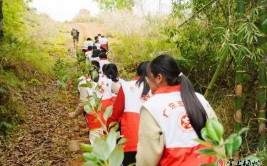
(219, 45)
(223, 149)
(105, 151)
(220, 50)
(28, 53)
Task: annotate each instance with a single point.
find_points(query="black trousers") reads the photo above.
(129, 158)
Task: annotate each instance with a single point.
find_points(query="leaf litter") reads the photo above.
(44, 136)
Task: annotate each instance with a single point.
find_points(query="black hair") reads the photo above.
(96, 38)
(142, 73)
(90, 48)
(103, 55)
(103, 49)
(95, 64)
(94, 47)
(104, 67)
(167, 66)
(96, 67)
(88, 39)
(96, 53)
(111, 72)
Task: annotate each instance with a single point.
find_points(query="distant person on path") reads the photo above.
(126, 109)
(75, 35)
(172, 118)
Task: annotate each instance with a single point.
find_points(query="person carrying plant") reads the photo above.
(101, 88)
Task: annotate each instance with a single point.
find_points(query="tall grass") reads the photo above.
(28, 53)
(134, 39)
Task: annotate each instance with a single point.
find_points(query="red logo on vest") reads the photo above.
(184, 123)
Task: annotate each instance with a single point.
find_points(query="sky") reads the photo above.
(65, 10)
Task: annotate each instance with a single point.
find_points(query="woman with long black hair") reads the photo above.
(126, 109)
(172, 118)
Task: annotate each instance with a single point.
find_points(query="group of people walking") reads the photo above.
(159, 112)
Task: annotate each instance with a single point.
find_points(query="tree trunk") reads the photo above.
(1, 21)
(239, 73)
(262, 76)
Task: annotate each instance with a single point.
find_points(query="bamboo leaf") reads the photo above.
(243, 130)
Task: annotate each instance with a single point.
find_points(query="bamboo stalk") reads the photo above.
(262, 77)
(216, 75)
(239, 75)
(1, 21)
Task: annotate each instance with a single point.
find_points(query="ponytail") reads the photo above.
(111, 72)
(193, 107)
(168, 67)
(142, 73)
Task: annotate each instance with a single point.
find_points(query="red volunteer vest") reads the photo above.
(130, 118)
(167, 109)
(106, 95)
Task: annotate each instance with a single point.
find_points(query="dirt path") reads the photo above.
(44, 137)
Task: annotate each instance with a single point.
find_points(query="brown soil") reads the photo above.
(44, 137)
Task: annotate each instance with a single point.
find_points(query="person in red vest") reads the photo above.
(104, 93)
(126, 108)
(111, 71)
(171, 119)
(103, 59)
